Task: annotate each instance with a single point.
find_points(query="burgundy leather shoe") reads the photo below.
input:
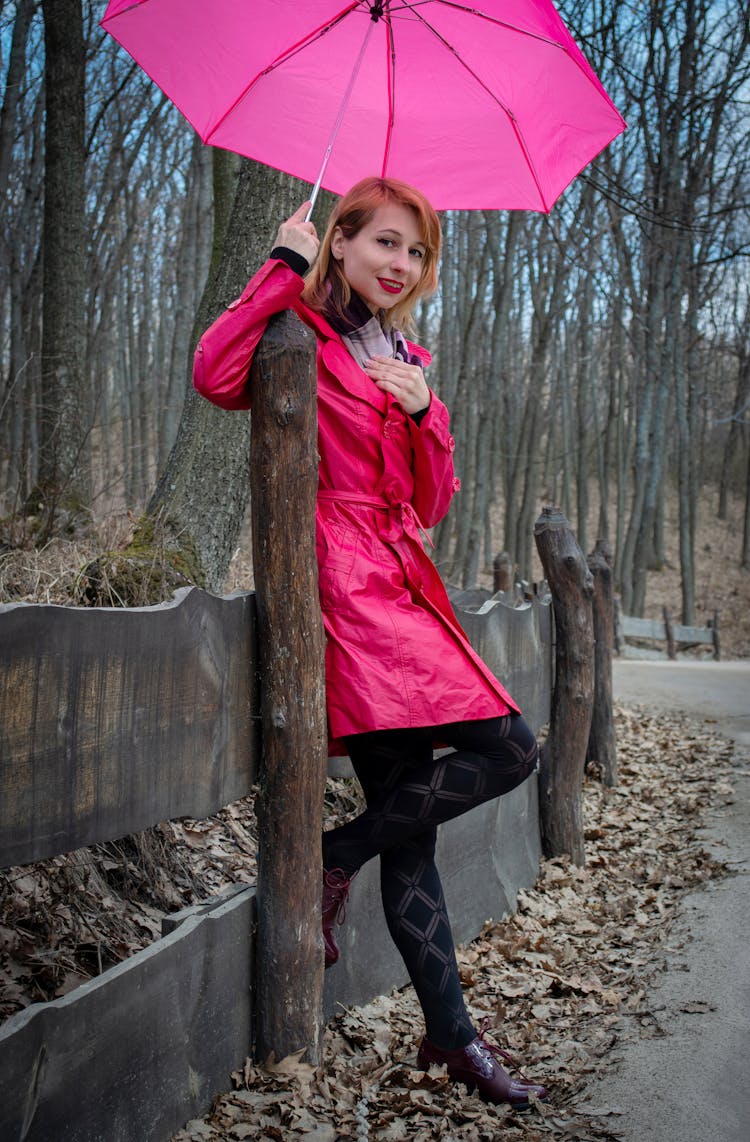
(477, 1067)
(335, 895)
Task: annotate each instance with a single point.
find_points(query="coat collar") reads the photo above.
(339, 361)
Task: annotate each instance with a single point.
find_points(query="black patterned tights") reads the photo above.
(408, 795)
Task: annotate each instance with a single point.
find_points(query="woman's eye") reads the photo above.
(417, 253)
(386, 241)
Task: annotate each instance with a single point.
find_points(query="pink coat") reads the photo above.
(395, 654)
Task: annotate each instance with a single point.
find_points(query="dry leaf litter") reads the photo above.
(562, 982)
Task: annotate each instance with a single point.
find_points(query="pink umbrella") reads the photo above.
(488, 104)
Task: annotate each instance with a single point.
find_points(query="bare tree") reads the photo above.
(202, 493)
(65, 407)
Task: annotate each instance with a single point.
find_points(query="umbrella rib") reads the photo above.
(391, 66)
(513, 121)
(288, 53)
(411, 5)
(581, 64)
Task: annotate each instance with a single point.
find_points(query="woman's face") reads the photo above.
(383, 261)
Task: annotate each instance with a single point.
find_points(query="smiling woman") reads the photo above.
(390, 215)
(383, 261)
(401, 675)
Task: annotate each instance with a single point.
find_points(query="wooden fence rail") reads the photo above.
(112, 720)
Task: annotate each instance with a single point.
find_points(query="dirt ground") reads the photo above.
(720, 583)
(563, 984)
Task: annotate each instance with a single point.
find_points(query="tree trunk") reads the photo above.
(741, 401)
(13, 81)
(291, 662)
(602, 749)
(745, 557)
(563, 755)
(203, 492)
(66, 423)
(191, 276)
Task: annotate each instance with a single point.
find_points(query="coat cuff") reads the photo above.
(435, 422)
(419, 416)
(296, 262)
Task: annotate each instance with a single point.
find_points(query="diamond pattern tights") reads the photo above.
(408, 795)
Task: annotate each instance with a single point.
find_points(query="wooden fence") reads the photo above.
(112, 720)
(670, 635)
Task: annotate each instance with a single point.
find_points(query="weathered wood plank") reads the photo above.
(91, 754)
(633, 627)
(702, 635)
(517, 645)
(112, 720)
(137, 1052)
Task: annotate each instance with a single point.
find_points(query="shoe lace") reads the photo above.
(339, 883)
(499, 1053)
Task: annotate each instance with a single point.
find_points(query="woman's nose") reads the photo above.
(400, 260)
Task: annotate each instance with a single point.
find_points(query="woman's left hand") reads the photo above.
(405, 382)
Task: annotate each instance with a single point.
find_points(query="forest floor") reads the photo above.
(564, 982)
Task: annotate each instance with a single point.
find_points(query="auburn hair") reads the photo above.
(326, 284)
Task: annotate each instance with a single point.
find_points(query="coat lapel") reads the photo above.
(339, 361)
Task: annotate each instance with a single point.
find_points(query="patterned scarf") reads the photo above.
(365, 337)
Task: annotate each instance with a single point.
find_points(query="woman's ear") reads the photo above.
(337, 243)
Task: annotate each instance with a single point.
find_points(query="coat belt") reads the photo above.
(402, 519)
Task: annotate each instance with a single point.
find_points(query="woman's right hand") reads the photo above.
(298, 235)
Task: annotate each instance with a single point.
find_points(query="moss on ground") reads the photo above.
(148, 570)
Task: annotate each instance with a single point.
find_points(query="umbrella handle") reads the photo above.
(376, 11)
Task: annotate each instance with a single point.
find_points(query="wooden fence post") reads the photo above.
(563, 755)
(291, 647)
(502, 572)
(602, 747)
(714, 625)
(669, 633)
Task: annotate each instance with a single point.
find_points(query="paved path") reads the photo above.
(710, 690)
(693, 1084)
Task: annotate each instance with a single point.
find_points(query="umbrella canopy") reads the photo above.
(488, 104)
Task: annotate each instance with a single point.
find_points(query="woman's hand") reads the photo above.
(404, 381)
(298, 235)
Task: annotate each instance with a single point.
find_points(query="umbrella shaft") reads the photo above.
(339, 118)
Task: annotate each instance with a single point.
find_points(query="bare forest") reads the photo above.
(597, 358)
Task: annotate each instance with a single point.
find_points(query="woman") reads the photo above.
(400, 673)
